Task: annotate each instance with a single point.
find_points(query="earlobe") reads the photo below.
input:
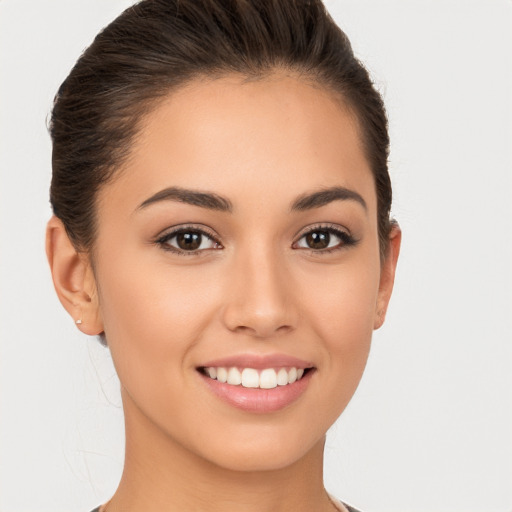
(73, 279)
(387, 276)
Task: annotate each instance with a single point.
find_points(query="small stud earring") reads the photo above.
(78, 322)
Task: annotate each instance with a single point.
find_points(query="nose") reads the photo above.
(259, 297)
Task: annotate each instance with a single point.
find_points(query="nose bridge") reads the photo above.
(260, 299)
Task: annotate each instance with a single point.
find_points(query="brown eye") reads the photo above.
(189, 241)
(318, 239)
(324, 239)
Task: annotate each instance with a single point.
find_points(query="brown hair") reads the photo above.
(156, 46)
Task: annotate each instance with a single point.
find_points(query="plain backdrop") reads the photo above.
(430, 427)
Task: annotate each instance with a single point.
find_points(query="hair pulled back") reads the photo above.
(156, 46)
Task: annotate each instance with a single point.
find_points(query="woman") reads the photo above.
(221, 220)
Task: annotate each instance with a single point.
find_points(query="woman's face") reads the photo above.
(241, 238)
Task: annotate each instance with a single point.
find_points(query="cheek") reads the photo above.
(153, 315)
(343, 301)
(342, 315)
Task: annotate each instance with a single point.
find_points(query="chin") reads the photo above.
(264, 451)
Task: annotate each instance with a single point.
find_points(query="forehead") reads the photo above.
(278, 134)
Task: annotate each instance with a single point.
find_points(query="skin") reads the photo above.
(261, 145)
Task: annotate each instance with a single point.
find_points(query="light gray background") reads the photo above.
(430, 428)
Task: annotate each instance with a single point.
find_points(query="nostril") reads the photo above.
(263, 331)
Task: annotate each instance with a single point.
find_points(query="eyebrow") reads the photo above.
(182, 195)
(213, 201)
(326, 196)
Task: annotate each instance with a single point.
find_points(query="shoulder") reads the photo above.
(336, 503)
(341, 506)
(351, 509)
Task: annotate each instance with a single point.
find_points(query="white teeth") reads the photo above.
(250, 378)
(222, 375)
(282, 377)
(268, 378)
(234, 377)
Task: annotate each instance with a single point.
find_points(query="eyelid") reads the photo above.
(184, 227)
(325, 226)
(170, 232)
(347, 239)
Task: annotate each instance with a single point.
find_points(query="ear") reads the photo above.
(73, 279)
(387, 275)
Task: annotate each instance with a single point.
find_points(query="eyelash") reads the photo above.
(163, 241)
(346, 239)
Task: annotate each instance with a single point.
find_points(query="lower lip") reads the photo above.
(259, 400)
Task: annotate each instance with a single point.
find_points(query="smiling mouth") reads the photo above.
(267, 378)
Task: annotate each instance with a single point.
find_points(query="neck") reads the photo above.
(162, 475)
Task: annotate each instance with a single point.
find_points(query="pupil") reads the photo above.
(318, 239)
(189, 241)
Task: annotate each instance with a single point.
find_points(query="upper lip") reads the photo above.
(258, 361)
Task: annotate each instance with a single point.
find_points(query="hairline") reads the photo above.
(144, 108)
